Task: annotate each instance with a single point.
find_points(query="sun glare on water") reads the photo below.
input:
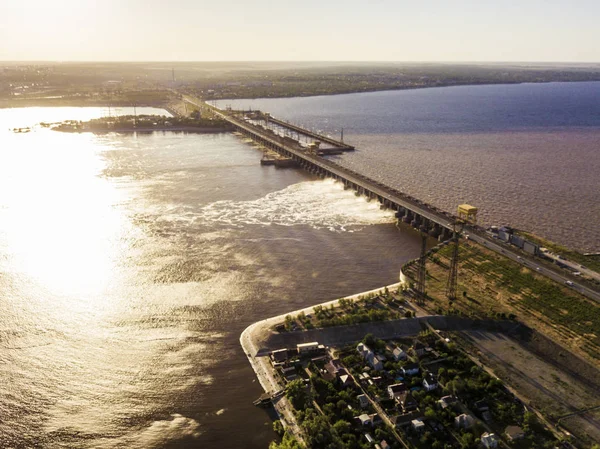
(62, 229)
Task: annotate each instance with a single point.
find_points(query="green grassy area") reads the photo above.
(490, 285)
(373, 307)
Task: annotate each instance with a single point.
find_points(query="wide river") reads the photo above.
(527, 155)
(130, 264)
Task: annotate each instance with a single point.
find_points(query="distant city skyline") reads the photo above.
(351, 30)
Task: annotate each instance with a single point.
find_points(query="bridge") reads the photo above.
(422, 216)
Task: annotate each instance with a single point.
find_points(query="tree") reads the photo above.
(296, 393)
(278, 427)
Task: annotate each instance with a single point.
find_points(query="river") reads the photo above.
(130, 264)
(525, 154)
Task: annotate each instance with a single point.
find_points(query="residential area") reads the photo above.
(417, 392)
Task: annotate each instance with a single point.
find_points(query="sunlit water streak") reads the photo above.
(130, 264)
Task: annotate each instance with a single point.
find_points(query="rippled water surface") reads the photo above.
(130, 264)
(526, 155)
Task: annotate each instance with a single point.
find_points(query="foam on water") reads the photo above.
(322, 204)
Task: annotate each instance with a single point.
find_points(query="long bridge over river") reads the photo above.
(418, 214)
(422, 216)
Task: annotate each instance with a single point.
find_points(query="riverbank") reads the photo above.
(186, 129)
(252, 339)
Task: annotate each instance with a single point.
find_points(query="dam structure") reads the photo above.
(307, 149)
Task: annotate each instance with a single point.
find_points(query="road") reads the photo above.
(552, 273)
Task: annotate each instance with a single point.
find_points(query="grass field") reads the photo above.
(491, 285)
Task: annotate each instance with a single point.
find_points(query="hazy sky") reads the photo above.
(314, 30)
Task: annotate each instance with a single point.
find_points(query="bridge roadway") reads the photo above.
(386, 195)
(394, 197)
(316, 136)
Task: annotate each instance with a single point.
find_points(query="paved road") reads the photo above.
(552, 273)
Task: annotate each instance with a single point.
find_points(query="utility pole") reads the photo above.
(452, 283)
(421, 274)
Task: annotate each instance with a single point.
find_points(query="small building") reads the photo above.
(489, 440)
(384, 445)
(446, 401)
(405, 419)
(369, 438)
(304, 348)
(395, 390)
(375, 362)
(430, 382)
(280, 355)
(399, 354)
(363, 400)
(407, 402)
(418, 348)
(365, 419)
(514, 433)
(467, 213)
(464, 421)
(410, 369)
(333, 367)
(417, 424)
(346, 380)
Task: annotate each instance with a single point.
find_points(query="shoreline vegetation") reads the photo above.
(156, 84)
(144, 123)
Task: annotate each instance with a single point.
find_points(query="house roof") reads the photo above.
(406, 399)
(514, 431)
(364, 418)
(446, 401)
(417, 422)
(398, 388)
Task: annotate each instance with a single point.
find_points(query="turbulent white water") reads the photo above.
(319, 204)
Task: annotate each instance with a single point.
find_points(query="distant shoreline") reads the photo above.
(72, 102)
(187, 129)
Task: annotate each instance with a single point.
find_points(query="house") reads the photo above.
(418, 348)
(363, 350)
(405, 419)
(464, 421)
(280, 355)
(446, 401)
(407, 402)
(289, 373)
(394, 391)
(489, 440)
(374, 361)
(384, 445)
(365, 419)
(363, 400)
(514, 433)
(410, 369)
(399, 354)
(346, 380)
(417, 424)
(305, 348)
(430, 382)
